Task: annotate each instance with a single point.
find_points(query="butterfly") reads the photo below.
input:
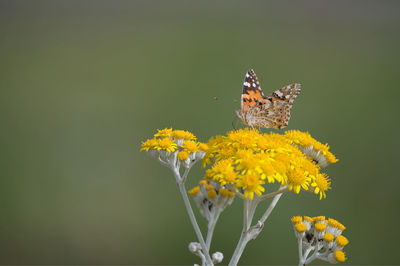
(272, 111)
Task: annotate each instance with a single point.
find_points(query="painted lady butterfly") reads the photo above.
(272, 111)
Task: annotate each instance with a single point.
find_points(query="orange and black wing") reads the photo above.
(251, 93)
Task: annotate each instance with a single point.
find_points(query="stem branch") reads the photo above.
(189, 210)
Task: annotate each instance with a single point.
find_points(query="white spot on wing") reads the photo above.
(246, 84)
(254, 85)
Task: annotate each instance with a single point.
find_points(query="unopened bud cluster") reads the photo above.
(322, 236)
(211, 198)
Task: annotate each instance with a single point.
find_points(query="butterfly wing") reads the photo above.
(277, 113)
(266, 111)
(251, 93)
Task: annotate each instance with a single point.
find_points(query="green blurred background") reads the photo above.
(82, 83)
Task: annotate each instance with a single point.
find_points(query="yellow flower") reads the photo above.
(225, 152)
(297, 179)
(320, 227)
(223, 172)
(194, 191)
(321, 184)
(341, 241)
(211, 193)
(251, 183)
(247, 161)
(310, 168)
(270, 157)
(183, 155)
(296, 219)
(190, 146)
(268, 171)
(203, 147)
(209, 174)
(263, 143)
(149, 144)
(243, 138)
(340, 256)
(204, 182)
(226, 193)
(331, 158)
(328, 237)
(182, 134)
(298, 137)
(166, 144)
(318, 219)
(308, 219)
(336, 224)
(164, 133)
(314, 149)
(300, 227)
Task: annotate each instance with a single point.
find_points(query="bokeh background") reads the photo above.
(82, 83)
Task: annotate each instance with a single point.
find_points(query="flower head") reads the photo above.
(183, 155)
(190, 146)
(149, 144)
(163, 133)
(321, 183)
(244, 156)
(251, 183)
(317, 151)
(182, 134)
(166, 144)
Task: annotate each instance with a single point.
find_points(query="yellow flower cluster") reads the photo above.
(212, 191)
(304, 140)
(246, 159)
(171, 140)
(313, 230)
